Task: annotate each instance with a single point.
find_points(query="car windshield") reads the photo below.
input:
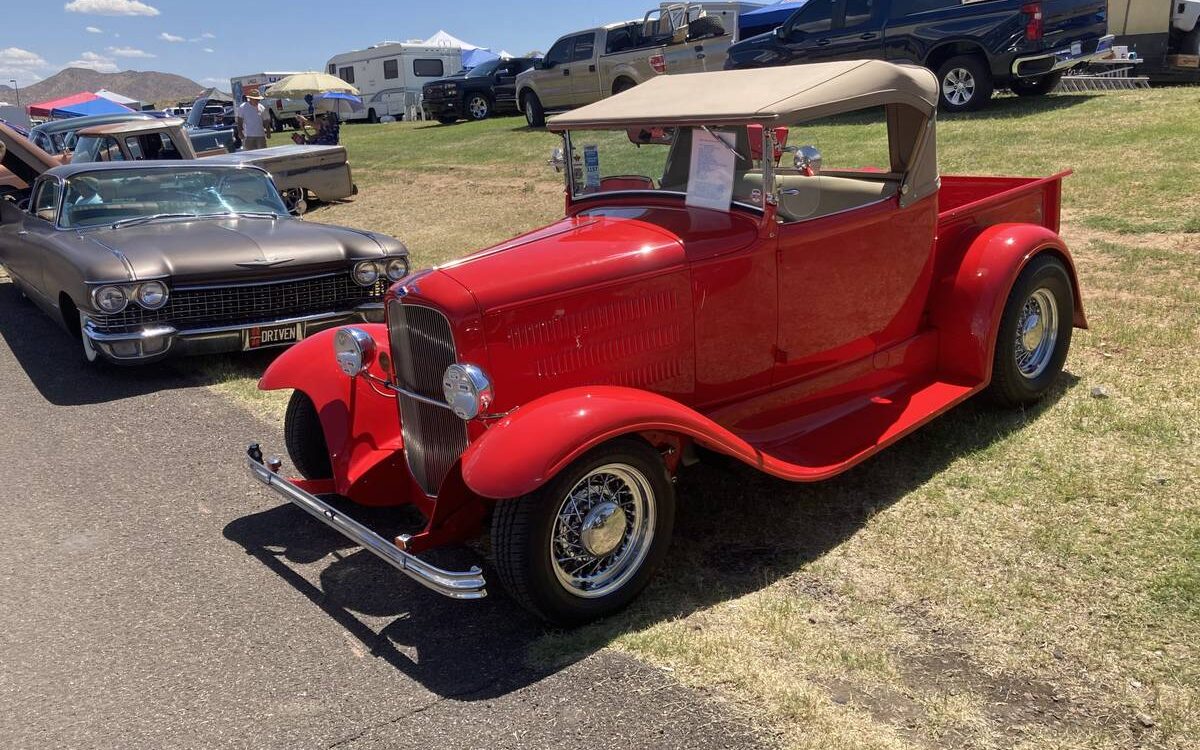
(713, 166)
(484, 70)
(123, 195)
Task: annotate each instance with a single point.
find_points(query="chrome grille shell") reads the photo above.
(422, 344)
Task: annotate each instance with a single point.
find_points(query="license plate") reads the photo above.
(261, 337)
(1076, 49)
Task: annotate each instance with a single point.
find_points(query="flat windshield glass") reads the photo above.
(727, 171)
(484, 70)
(108, 197)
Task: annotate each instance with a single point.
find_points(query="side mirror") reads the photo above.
(557, 160)
(807, 160)
(782, 32)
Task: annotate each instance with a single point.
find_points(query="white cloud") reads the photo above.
(129, 52)
(207, 35)
(208, 49)
(21, 64)
(94, 30)
(170, 37)
(98, 63)
(111, 7)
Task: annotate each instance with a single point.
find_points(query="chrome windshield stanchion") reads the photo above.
(467, 584)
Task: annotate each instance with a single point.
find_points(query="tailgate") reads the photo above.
(1069, 21)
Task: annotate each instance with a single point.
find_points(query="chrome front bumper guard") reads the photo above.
(1063, 58)
(454, 584)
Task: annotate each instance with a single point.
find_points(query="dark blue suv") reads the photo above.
(974, 46)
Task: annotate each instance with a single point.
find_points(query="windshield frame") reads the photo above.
(768, 170)
(65, 182)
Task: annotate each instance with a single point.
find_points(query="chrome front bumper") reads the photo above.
(1064, 57)
(454, 584)
(157, 341)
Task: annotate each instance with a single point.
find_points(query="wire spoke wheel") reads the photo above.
(603, 529)
(958, 86)
(1036, 333)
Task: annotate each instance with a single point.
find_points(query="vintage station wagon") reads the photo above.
(709, 286)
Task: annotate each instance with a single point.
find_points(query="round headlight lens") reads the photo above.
(396, 269)
(110, 299)
(467, 389)
(354, 350)
(366, 273)
(152, 295)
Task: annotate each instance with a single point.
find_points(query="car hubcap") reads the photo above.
(958, 86)
(602, 531)
(478, 108)
(1037, 333)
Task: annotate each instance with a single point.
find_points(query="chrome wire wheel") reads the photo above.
(603, 530)
(478, 107)
(958, 87)
(1036, 333)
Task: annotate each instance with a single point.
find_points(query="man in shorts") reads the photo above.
(249, 118)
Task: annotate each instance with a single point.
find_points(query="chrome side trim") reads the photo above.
(1063, 58)
(468, 584)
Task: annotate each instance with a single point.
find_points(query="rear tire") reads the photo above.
(964, 84)
(1035, 333)
(586, 543)
(1039, 86)
(535, 115)
(305, 438)
(622, 85)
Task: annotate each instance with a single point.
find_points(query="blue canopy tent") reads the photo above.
(762, 20)
(97, 106)
(475, 57)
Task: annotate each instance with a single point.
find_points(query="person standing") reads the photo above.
(250, 116)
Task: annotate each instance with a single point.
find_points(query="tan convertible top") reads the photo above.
(779, 96)
(787, 96)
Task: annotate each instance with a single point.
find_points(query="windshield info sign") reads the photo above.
(710, 180)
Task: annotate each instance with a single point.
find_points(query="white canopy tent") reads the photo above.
(114, 97)
(445, 39)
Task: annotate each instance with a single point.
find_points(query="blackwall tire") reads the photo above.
(964, 84)
(305, 438)
(535, 115)
(1034, 335)
(585, 544)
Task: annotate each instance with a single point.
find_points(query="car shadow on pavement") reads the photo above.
(737, 531)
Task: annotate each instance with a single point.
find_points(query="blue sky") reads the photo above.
(211, 40)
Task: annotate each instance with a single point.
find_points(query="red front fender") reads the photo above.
(522, 451)
(361, 424)
(968, 306)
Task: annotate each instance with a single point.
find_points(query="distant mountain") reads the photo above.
(145, 86)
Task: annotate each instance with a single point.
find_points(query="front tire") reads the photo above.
(535, 115)
(1035, 333)
(964, 84)
(585, 544)
(1039, 86)
(479, 107)
(305, 438)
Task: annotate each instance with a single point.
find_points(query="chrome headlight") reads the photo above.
(366, 273)
(110, 299)
(396, 268)
(354, 350)
(151, 295)
(467, 389)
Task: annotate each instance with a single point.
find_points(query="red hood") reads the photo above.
(595, 247)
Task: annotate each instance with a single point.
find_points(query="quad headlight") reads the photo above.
(110, 299)
(467, 389)
(396, 268)
(151, 295)
(354, 350)
(366, 273)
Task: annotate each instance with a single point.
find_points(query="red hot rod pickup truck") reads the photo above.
(798, 318)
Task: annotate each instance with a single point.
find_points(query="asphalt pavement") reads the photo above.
(154, 597)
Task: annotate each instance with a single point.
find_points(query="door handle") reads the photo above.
(591, 68)
(822, 42)
(566, 71)
(868, 35)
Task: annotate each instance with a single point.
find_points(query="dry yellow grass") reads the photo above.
(1024, 580)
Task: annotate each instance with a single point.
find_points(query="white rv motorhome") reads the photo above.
(390, 75)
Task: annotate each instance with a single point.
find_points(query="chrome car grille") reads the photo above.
(235, 304)
(422, 348)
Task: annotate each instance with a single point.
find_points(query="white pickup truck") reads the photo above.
(586, 66)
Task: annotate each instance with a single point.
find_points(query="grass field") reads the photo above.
(999, 580)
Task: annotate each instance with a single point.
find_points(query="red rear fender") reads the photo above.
(967, 307)
(360, 421)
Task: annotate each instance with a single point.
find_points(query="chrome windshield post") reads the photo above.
(768, 167)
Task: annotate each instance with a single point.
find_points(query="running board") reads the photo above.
(467, 584)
